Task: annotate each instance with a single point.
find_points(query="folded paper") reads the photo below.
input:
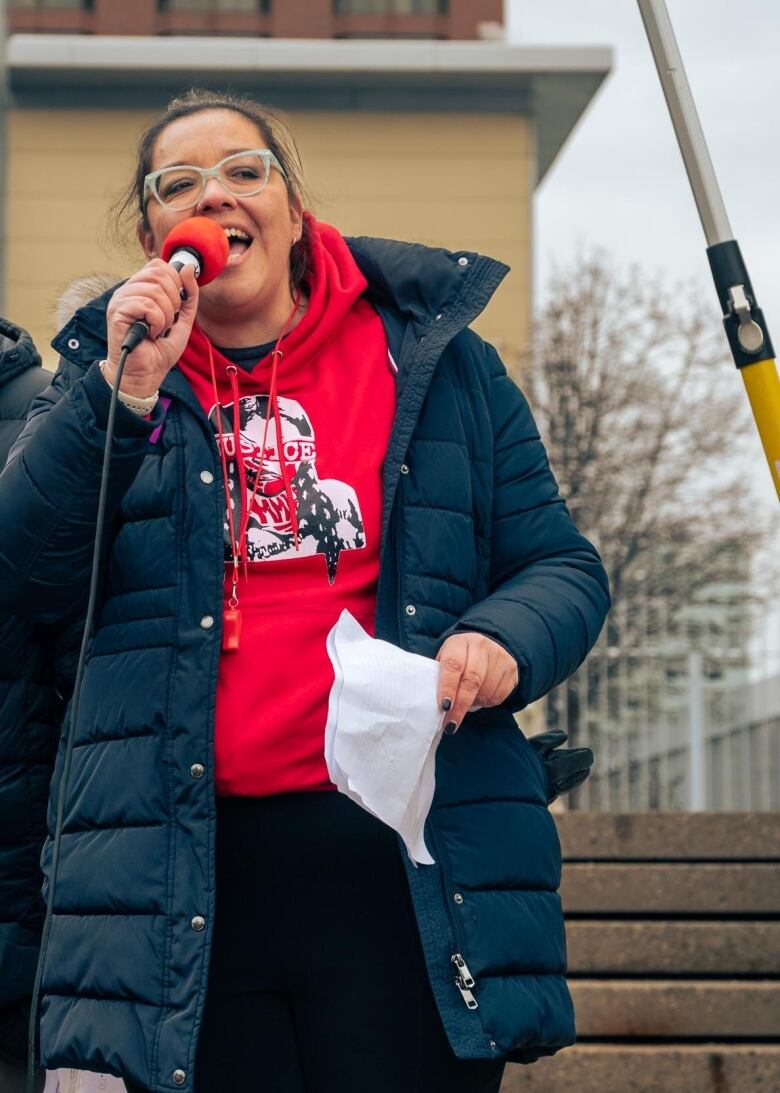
(383, 728)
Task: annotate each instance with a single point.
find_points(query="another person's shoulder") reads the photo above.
(17, 350)
(21, 373)
(22, 377)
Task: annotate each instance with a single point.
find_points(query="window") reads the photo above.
(52, 5)
(209, 7)
(390, 7)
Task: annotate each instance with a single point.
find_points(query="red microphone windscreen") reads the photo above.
(206, 238)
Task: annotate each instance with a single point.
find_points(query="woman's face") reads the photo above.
(257, 275)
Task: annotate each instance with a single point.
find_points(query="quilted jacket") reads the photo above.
(34, 669)
(475, 537)
(31, 710)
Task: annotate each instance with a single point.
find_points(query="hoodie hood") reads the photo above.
(415, 282)
(335, 285)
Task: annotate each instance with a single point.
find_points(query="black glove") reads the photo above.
(566, 768)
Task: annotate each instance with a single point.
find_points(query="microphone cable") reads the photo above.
(135, 334)
(201, 243)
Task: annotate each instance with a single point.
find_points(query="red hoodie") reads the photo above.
(336, 399)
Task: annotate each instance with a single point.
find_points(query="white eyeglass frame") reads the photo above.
(205, 173)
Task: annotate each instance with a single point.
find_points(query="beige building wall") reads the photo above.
(457, 181)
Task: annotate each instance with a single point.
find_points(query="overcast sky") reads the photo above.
(620, 183)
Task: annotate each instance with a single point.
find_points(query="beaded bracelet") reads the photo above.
(132, 402)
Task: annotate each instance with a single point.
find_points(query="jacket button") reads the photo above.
(207, 477)
(207, 622)
(493, 1045)
(411, 609)
(179, 1077)
(438, 317)
(198, 923)
(404, 468)
(463, 261)
(197, 770)
(73, 343)
(458, 897)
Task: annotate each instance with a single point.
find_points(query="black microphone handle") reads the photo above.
(135, 335)
(140, 328)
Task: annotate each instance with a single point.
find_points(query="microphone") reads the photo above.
(197, 242)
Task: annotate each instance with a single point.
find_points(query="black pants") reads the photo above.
(317, 981)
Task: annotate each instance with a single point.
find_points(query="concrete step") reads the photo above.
(674, 948)
(675, 1010)
(681, 888)
(680, 1068)
(669, 836)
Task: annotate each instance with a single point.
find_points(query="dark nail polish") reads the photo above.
(183, 294)
(451, 727)
(446, 704)
(165, 333)
(176, 317)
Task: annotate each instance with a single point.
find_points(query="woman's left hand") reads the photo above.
(475, 672)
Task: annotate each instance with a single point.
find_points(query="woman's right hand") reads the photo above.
(155, 295)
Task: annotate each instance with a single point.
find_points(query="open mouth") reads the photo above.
(239, 243)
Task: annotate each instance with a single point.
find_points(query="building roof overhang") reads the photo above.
(551, 85)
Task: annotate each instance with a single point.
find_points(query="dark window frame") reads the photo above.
(51, 5)
(209, 7)
(389, 7)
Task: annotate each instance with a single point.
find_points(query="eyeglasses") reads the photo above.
(242, 175)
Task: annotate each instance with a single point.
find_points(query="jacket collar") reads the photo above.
(425, 285)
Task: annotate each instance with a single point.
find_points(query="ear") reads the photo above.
(146, 239)
(296, 214)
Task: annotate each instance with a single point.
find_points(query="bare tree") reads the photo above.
(645, 421)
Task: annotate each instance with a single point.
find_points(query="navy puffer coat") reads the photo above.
(34, 675)
(475, 537)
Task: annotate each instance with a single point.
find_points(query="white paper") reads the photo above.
(81, 1081)
(383, 728)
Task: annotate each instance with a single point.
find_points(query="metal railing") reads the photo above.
(677, 718)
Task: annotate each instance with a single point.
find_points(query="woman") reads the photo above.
(315, 430)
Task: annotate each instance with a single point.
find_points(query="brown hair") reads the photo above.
(275, 132)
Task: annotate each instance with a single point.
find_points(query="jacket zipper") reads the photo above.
(399, 598)
(464, 980)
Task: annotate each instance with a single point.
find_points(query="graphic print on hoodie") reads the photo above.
(336, 400)
(328, 510)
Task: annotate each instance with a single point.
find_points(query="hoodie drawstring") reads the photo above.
(232, 614)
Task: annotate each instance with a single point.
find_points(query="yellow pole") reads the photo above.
(746, 329)
(763, 389)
